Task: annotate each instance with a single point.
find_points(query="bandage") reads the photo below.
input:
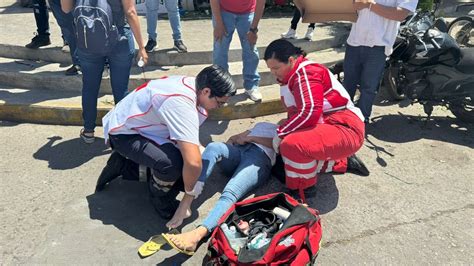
(198, 187)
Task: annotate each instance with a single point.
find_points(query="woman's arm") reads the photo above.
(238, 138)
(267, 142)
(307, 89)
(132, 18)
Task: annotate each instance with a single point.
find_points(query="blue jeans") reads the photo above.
(364, 66)
(92, 66)
(65, 22)
(250, 57)
(152, 18)
(249, 166)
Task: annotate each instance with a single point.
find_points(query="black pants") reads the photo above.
(41, 17)
(165, 162)
(296, 19)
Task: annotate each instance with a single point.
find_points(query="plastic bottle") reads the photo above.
(236, 242)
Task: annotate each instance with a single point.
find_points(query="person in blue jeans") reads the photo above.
(369, 43)
(246, 157)
(175, 22)
(65, 22)
(119, 59)
(243, 16)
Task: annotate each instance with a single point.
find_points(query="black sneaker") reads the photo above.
(38, 41)
(356, 166)
(112, 170)
(73, 70)
(150, 45)
(180, 47)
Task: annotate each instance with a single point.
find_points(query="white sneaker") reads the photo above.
(254, 95)
(290, 34)
(309, 34)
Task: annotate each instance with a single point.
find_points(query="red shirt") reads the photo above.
(238, 6)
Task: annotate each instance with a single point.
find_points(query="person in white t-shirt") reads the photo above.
(370, 41)
(157, 126)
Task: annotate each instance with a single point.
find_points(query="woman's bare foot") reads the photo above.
(188, 241)
(183, 212)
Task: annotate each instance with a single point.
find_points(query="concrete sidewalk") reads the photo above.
(33, 87)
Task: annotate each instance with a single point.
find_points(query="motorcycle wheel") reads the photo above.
(462, 30)
(391, 81)
(464, 110)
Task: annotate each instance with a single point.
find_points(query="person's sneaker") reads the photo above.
(290, 34)
(356, 166)
(112, 170)
(38, 41)
(65, 48)
(150, 46)
(254, 95)
(87, 137)
(180, 47)
(309, 34)
(73, 70)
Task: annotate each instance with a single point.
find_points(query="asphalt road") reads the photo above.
(416, 207)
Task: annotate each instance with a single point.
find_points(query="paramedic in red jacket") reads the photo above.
(323, 126)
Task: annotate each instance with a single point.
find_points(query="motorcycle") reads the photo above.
(428, 67)
(462, 30)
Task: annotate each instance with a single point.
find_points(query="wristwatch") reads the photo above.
(254, 30)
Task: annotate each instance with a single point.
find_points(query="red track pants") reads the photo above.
(323, 148)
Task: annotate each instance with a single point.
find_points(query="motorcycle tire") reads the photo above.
(461, 29)
(464, 110)
(392, 84)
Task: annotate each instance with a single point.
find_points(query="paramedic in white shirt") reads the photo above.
(157, 126)
(370, 41)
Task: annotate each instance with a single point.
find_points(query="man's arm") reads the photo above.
(219, 28)
(67, 5)
(252, 35)
(388, 12)
(192, 163)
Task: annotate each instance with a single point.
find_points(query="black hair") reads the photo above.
(217, 80)
(281, 50)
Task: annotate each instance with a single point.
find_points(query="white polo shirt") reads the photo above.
(163, 110)
(371, 29)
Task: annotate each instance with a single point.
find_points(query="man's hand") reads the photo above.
(219, 31)
(252, 37)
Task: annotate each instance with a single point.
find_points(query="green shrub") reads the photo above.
(425, 4)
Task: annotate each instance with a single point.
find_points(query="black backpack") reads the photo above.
(94, 26)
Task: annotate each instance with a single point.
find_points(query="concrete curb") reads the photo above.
(166, 57)
(67, 114)
(53, 78)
